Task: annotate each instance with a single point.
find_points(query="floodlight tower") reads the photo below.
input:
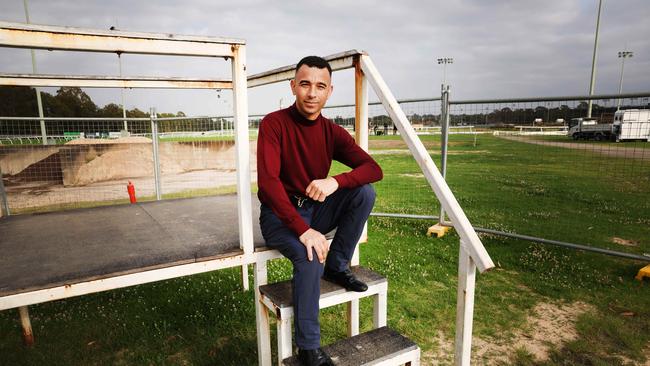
(622, 55)
(444, 124)
(444, 61)
(592, 83)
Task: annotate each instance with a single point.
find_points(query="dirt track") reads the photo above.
(610, 149)
(42, 194)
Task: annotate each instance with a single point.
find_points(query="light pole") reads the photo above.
(622, 55)
(444, 61)
(119, 60)
(126, 127)
(38, 92)
(593, 60)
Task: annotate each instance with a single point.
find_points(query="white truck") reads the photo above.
(631, 124)
(589, 128)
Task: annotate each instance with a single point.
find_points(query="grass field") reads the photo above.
(551, 192)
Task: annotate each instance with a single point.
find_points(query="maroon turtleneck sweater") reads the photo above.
(292, 151)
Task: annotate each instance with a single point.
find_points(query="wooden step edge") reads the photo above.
(380, 346)
(280, 293)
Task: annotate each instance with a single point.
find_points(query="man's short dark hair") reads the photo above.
(315, 61)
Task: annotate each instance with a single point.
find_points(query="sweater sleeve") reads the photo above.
(364, 168)
(270, 186)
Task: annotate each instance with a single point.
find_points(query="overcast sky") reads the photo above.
(501, 49)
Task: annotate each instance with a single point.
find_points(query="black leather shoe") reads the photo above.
(345, 279)
(314, 357)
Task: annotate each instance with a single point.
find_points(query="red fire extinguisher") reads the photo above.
(131, 189)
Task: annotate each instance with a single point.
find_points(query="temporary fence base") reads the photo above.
(643, 272)
(438, 230)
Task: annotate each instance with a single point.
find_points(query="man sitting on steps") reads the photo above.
(300, 202)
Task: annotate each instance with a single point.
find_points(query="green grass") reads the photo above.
(551, 192)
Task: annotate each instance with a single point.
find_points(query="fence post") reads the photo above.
(156, 156)
(4, 210)
(40, 114)
(440, 229)
(444, 140)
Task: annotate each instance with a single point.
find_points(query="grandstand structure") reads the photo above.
(165, 239)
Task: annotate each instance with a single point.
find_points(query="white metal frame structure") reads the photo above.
(18, 35)
(472, 252)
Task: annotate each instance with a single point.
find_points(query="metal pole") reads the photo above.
(444, 73)
(623, 55)
(126, 127)
(620, 84)
(593, 60)
(565, 244)
(3, 196)
(534, 239)
(156, 161)
(444, 135)
(39, 102)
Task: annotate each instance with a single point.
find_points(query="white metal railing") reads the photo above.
(472, 251)
(437, 130)
(534, 131)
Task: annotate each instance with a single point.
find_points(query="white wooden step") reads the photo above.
(278, 296)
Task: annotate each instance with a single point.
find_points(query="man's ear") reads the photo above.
(331, 91)
(292, 84)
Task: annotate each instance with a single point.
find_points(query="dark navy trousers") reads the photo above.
(346, 210)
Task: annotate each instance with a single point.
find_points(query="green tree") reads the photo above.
(110, 110)
(18, 101)
(75, 103)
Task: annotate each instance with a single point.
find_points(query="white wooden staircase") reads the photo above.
(380, 346)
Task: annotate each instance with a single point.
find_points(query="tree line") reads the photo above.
(20, 101)
(513, 114)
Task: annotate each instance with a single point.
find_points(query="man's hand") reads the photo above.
(313, 239)
(319, 189)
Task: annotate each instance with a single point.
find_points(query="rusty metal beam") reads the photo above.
(101, 81)
(33, 36)
(338, 61)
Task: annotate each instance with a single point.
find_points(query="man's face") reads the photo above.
(312, 87)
